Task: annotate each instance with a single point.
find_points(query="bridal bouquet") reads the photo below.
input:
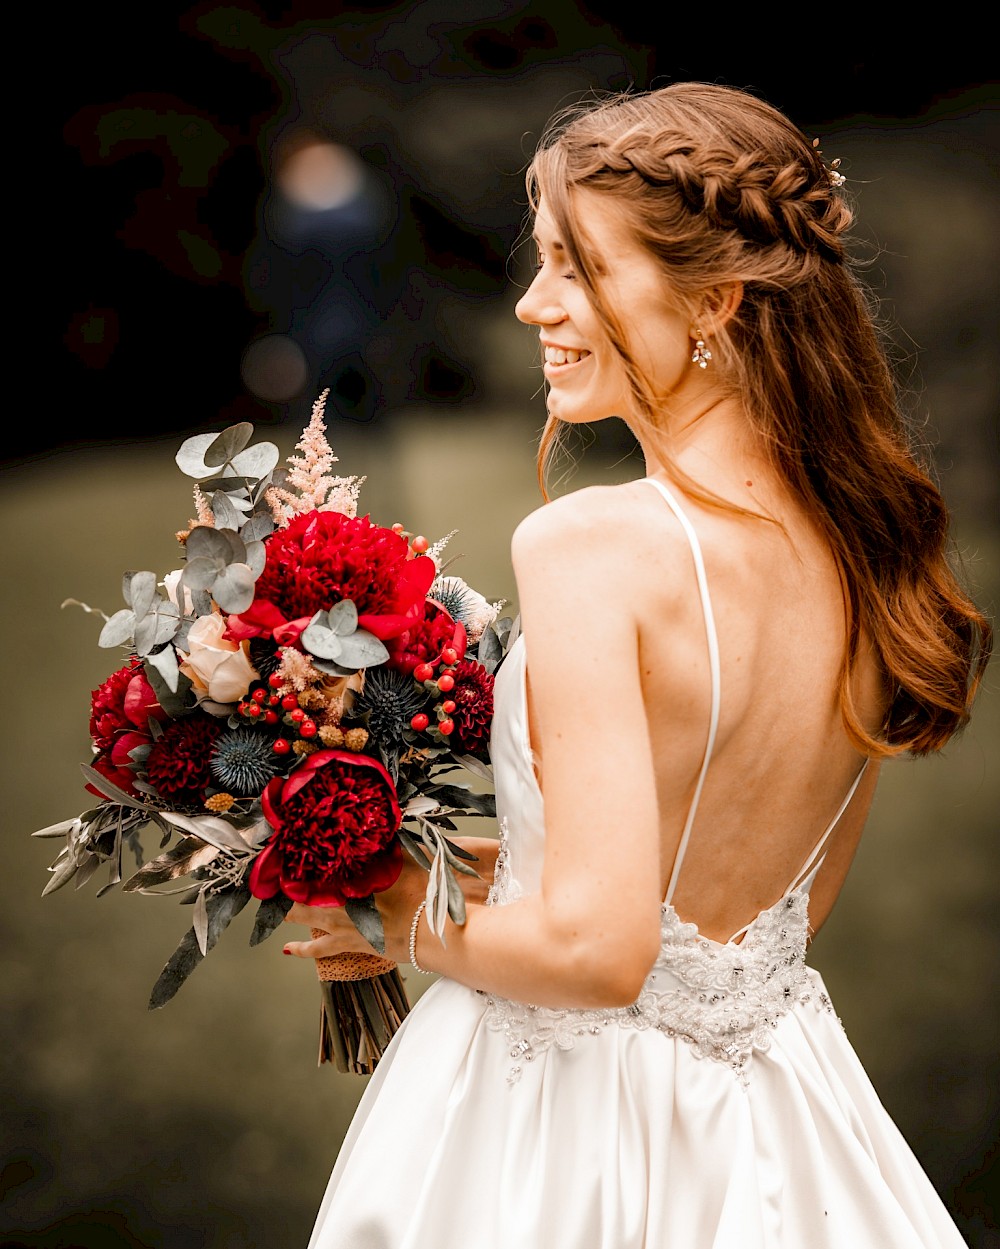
(288, 715)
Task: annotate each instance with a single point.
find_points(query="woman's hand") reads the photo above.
(396, 906)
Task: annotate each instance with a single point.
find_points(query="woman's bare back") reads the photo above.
(781, 763)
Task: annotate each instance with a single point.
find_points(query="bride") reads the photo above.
(625, 1047)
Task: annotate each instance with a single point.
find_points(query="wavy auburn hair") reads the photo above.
(721, 188)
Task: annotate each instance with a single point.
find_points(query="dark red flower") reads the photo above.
(120, 711)
(426, 638)
(473, 714)
(321, 558)
(126, 700)
(335, 820)
(178, 764)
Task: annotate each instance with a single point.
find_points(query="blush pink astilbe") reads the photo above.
(311, 485)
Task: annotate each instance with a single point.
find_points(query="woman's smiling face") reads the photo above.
(585, 374)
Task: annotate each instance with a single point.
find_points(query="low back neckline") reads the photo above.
(803, 879)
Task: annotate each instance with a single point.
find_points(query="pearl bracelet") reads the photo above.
(413, 941)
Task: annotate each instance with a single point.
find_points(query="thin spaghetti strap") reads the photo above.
(816, 856)
(714, 667)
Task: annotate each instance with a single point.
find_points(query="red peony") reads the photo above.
(335, 820)
(120, 711)
(178, 764)
(126, 700)
(473, 714)
(321, 558)
(424, 640)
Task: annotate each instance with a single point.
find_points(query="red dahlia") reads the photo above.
(335, 820)
(321, 558)
(178, 766)
(473, 714)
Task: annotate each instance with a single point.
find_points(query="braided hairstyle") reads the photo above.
(721, 188)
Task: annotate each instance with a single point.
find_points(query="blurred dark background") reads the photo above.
(226, 209)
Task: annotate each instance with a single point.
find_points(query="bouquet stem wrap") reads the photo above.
(363, 1003)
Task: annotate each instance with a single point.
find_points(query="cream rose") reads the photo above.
(218, 669)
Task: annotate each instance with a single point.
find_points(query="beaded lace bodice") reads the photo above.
(724, 1000)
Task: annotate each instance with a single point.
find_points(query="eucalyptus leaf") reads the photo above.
(321, 641)
(258, 527)
(342, 617)
(190, 458)
(234, 588)
(221, 907)
(362, 650)
(237, 548)
(364, 915)
(205, 541)
(270, 914)
(145, 635)
(226, 516)
(332, 667)
(118, 630)
(256, 461)
(256, 553)
(165, 625)
(202, 603)
(142, 588)
(227, 445)
(200, 572)
(238, 498)
(489, 650)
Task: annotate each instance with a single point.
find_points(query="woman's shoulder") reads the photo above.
(622, 526)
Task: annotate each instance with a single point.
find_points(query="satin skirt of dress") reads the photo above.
(628, 1140)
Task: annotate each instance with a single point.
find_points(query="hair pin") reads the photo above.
(836, 179)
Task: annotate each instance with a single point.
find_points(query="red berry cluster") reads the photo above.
(442, 683)
(264, 705)
(417, 542)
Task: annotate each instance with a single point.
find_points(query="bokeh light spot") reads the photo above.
(274, 368)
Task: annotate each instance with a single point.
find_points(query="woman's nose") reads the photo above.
(537, 306)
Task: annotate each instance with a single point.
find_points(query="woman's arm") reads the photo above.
(591, 933)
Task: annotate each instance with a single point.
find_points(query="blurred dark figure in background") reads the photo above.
(312, 271)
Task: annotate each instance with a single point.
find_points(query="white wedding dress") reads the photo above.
(725, 1109)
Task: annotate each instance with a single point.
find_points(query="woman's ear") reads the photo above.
(718, 307)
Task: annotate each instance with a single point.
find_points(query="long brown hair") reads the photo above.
(722, 188)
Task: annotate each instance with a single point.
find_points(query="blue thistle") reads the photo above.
(387, 703)
(243, 761)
